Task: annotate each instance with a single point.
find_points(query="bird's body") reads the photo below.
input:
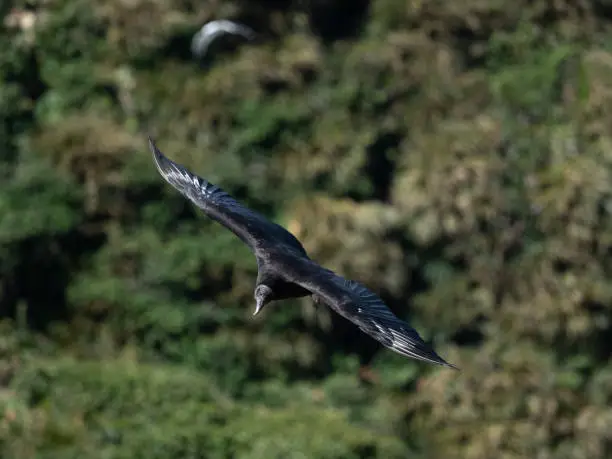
(286, 271)
(214, 29)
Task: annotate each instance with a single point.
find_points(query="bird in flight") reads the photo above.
(286, 271)
(213, 29)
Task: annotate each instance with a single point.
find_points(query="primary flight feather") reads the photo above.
(286, 271)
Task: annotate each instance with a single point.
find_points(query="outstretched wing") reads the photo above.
(371, 315)
(364, 308)
(251, 227)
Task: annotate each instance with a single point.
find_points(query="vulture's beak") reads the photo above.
(258, 307)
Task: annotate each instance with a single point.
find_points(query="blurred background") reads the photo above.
(456, 157)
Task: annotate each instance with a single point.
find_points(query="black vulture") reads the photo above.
(286, 271)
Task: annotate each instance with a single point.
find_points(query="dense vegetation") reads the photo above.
(456, 157)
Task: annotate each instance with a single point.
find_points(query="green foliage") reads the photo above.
(453, 156)
(120, 408)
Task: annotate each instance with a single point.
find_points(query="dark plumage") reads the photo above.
(286, 271)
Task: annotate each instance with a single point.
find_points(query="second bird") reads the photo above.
(286, 271)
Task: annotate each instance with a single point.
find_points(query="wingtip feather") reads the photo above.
(153, 147)
(161, 161)
(444, 363)
(432, 357)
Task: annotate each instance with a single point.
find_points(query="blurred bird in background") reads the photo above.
(214, 29)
